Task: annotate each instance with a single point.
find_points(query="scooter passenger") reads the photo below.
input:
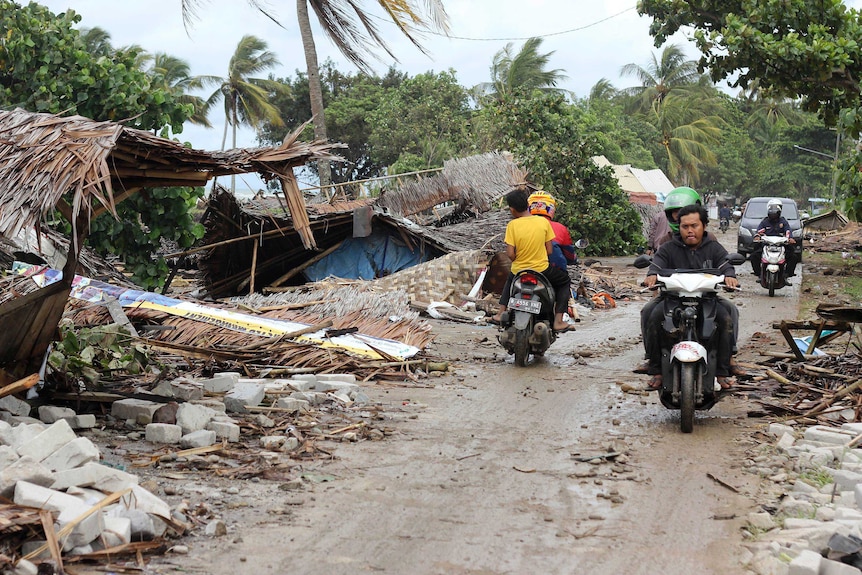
(691, 248)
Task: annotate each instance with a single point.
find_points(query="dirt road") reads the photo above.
(496, 469)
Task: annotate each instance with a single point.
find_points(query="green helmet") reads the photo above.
(677, 198)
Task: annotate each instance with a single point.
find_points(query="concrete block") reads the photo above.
(848, 513)
(244, 395)
(824, 434)
(31, 546)
(74, 454)
(116, 531)
(8, 456)
(846, 480)
(311, 397)
(806, 563)
(799, 523)
(163, 433)
(14, 405)
(199, 438)
(51, 413)
(224, 430)
(779, 429)
(307, 384)
(830, 567)
(134, 409)
(761, 521)
(187, 390)
(24, 567)
(337, 387)
(215, 404)
(53, 438)
(163, 389)
(786, 441)
(18, 435)
(83, 421)
(95, 475)
(336, 377)
(142, 526)
(25, 469)
(221, 382)
(192, 417)
(272, 442)
(143, 500)
(293, 404)
(69, 508)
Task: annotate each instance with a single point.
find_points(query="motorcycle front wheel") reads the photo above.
(522, 347)
(687, 375)
(770, 281)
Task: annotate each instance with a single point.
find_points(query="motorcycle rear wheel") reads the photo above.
(522, 347)
(687, 375)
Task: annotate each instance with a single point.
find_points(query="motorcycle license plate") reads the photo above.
(533, 306)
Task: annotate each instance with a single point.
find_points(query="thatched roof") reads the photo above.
(43, 157)
(476, 181)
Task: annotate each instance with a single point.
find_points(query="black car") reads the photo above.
(755, 211)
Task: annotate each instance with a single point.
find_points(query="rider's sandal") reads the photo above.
(654, 382)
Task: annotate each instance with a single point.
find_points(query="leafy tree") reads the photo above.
(350, 101)
(541, 129)
(47, 66)
(807, 50)
(425, 116)
(525, 70)
(354, 41)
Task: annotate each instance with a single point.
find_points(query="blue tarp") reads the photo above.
(376, 256)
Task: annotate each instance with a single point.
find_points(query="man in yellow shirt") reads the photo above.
(529, 241)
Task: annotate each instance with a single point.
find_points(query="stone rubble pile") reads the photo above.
(44, 464)
(815, 528)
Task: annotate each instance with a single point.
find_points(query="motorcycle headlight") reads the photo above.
(745, 232)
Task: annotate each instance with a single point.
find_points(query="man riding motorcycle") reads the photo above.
(773, 224)
(691, 248)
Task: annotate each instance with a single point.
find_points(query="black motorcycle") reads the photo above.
(529, 320)
(723, 224)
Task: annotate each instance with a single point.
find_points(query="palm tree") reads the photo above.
(687, 132)
(172, 74)
(522, 71)
(97, 41)
(352, 39)
(246, 98)
(767, 115)
(659, 77)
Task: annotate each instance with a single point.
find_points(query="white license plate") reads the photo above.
(528, 305)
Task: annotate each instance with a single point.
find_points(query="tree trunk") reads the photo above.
(233, 109)
(314, 88)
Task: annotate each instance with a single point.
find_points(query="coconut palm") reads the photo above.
(172, 74)
(522, 71)
(687, 132)
(354, 33)
(767, 114)
(245, 97)
(659, 77)
(97, 41)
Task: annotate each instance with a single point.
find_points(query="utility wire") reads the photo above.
(548, 35)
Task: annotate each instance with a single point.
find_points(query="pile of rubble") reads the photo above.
(816, 526)
(95, 509)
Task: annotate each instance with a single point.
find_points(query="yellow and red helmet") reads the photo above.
(542, 204)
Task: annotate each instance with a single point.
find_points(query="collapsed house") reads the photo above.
(83, 168)
(254, 245)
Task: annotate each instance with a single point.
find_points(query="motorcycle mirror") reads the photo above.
(736, 259)
(582, 243)
(642, 261)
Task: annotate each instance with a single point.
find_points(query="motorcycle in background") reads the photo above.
(690, 342)
(773, 262)
(723, 224)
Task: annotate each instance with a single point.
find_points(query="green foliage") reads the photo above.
(426, 116)
(542, 131)
(84, 354)
(45, 66)
(146, 219)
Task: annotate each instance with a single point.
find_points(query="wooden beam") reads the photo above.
(308, 263)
